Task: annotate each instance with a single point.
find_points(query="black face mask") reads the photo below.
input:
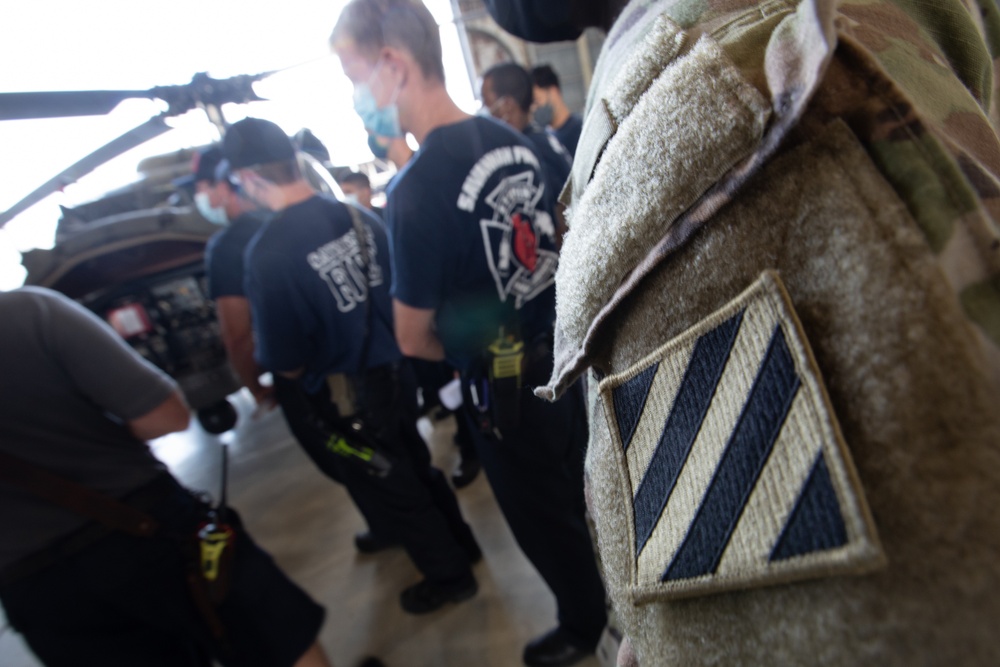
(535, 20)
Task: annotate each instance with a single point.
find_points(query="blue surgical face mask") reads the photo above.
(382, 122)
(543, 115)
(214, 214)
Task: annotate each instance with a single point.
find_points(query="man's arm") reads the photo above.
(237, 337)
(415, 332)
(106, 370)
(170, 416)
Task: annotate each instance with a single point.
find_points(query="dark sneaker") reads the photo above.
(465, 473)
(553, 649)
(367, 543)
(427, 596)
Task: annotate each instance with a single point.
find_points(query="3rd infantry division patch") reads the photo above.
(738, 473)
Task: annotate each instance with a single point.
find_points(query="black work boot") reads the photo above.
(369, 543)
(427, 596)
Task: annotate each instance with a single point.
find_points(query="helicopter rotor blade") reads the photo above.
(201, 90)
(65, 103)
(152, 128)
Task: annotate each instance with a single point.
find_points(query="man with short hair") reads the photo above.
(506, 94)
(317, 276)
(550, 109)
(470, 218)
(220, 200)
(357, 188)
(80, 592)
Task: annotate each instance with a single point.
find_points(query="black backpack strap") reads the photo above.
(362, 234)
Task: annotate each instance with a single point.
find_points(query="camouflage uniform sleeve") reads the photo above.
(940, 151)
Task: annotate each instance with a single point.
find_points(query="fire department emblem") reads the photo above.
(521, 268)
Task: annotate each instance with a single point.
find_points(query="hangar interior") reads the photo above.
(308, 523)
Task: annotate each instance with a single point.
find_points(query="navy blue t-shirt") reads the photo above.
(556, 162)
(224, 255)
(473, 236)
(307, 284)
(569, 133)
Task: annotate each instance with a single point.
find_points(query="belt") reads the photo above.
(144, 498)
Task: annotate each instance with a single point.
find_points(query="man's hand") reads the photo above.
(265, 398)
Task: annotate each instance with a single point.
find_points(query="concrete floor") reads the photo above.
(307, 523)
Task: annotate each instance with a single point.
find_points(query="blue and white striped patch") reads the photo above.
(738, 473)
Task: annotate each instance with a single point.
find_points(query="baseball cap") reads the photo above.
(254, 141)
(203, 166)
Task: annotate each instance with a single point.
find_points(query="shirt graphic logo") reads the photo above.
(525, 242)
(342, 266)
(520, 267)
(738, 474)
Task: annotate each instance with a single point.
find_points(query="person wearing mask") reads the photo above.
(219, 200)
(550, 109)
(506, 94)
(99, 543)
(357, 189)
(317, 276)
(470, 218)
(782, 269)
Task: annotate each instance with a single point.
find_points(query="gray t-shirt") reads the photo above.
(68, 384)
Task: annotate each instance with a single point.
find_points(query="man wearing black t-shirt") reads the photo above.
(431, 376)
(357, 189)
(474, 259)
(219, 200)
(506, 93)
(551, 109)
(321, 314)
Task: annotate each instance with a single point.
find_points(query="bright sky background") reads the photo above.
(129, 45)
